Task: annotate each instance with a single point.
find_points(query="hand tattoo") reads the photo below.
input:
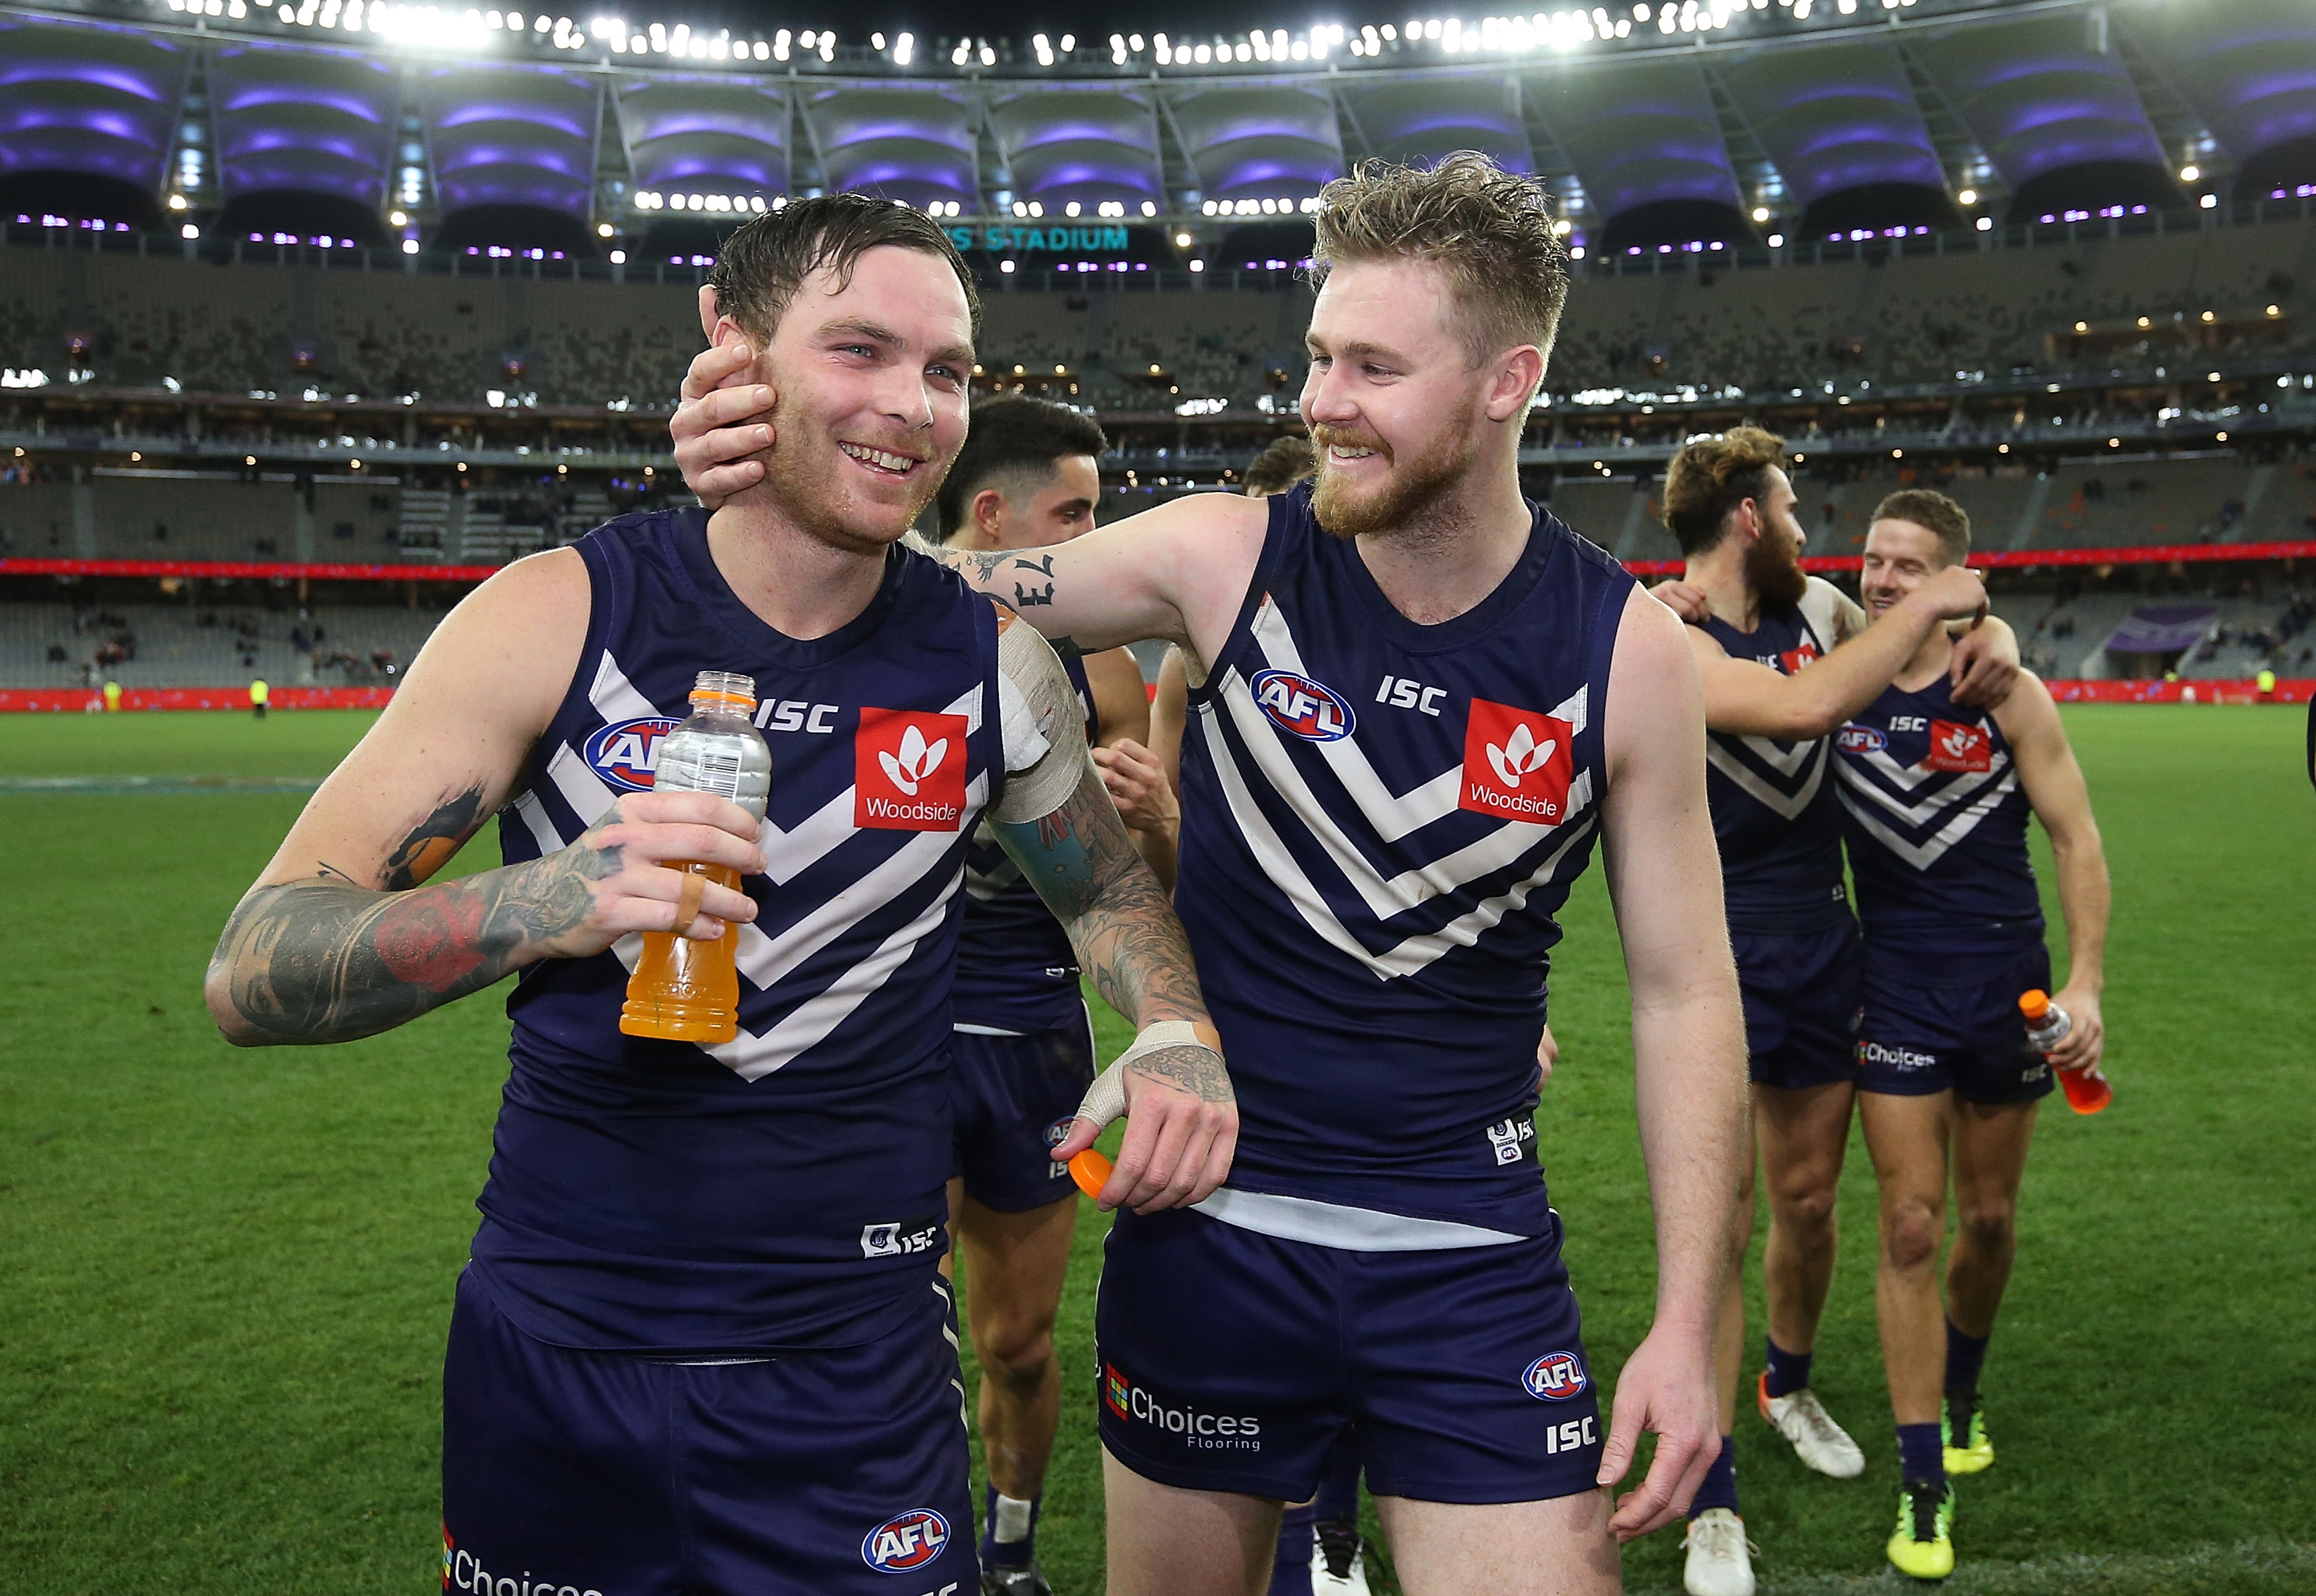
(1197, 1070)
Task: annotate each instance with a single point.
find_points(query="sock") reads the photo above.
(1290, 1571)
(1789, 1371)
(1965, 1356)
(1338, 1485)
(1011, 1537)
(1720, 1486)
(1921, 1455)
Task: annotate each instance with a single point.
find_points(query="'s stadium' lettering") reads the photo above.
(1032, 240)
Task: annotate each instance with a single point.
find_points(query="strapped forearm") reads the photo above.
(319, 961)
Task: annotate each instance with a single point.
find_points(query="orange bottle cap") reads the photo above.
(2035, 1005)
(1090, 1170)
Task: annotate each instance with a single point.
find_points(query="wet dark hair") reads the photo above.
(1712, 476)
(763, 264)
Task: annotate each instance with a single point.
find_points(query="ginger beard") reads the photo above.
(1403, 498)
(1773, 566)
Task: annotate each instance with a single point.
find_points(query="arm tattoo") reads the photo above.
(1084, 863)
(324, 961)
(1194, 1070)
(430, 846)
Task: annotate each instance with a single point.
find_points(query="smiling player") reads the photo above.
(701, 1344)
(1368, 875)
(1935, 797)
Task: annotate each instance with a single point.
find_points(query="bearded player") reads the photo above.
(701, 1343)
(1935, 795)
(1417, 703)
(1785, 659)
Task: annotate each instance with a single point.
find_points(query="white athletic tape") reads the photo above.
(1043, 725)
(1105, 1100)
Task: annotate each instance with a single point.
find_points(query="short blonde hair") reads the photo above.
(1936, 514)
(1489, 230)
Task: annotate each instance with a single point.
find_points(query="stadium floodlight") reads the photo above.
(1776, 241)
(902, 47)
(410, 246)
(1006, 266)
(1968, 197)
(2190, 172)
(188, 231)
(618, 257)
(876, 40)
(1985, 224)
(1760, 213)
(2209, 202)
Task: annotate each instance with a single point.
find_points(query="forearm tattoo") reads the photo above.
(326, 960)
(1083, 863)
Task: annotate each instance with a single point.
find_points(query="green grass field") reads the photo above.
(227, 1273)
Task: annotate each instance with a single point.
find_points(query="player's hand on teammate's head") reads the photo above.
(2086, 1037)
(1664, 1389)
(1685, 599)
(1547, 1054)
(1137, 785)
(1985, 667)
(724, 416)
(615, 878)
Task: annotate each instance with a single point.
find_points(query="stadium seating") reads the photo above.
(1914, 317)
(170, 645)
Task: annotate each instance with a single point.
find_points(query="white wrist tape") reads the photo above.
(1105, 1100)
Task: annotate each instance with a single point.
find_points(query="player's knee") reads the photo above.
(1911, 1234)
(1017, 1350)
(1990, 1224)
(1806, 1207)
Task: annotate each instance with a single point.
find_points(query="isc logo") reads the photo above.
(1307, 708)
(1957, 747)
(627, 752)
(1511, 1139)
(1557, 1376)
(895, 1238)
(1861, 740)
(905, 1541)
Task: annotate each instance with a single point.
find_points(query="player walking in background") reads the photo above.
(1417, 702)
(1785, 659)
(701, 1343)
(1936, 796)
(1022, 1048)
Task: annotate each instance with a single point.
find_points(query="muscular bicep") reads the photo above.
(1741, 697)
(446, 751)
(1175, 573)
(2048, 772)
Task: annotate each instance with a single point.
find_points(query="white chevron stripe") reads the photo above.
(1924, 810)
(534, 815)
(614, 697)
(1921, 856)
(1785, 760)
(1392, 815)
(581, 787)
(753, 1057)
(1749, 780)
(1279, 865)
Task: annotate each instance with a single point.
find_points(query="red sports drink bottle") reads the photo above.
(2047, 1026)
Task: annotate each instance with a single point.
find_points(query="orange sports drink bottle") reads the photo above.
(2047, 1026)
(683, 989)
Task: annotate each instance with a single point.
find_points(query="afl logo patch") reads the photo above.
(1312, 710)
(905, 1541)
(1557, 1376)
(627, 752)
(1861, 740)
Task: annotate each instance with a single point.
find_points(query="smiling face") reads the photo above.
(1900, 556)
(870, 375)
(1394, 404)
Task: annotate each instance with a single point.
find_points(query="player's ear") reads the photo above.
(1518, 373)
(707, 311)
(989, 510)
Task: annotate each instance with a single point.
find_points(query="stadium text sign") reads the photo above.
(1035, 240)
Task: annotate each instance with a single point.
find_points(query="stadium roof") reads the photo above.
(1738, 106)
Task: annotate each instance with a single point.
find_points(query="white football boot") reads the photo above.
(1720, 1558)
(1821, 1443)
(1338, 1561)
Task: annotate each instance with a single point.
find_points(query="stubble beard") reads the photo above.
(1409, 497)
(1774, 571)
(803, 491)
